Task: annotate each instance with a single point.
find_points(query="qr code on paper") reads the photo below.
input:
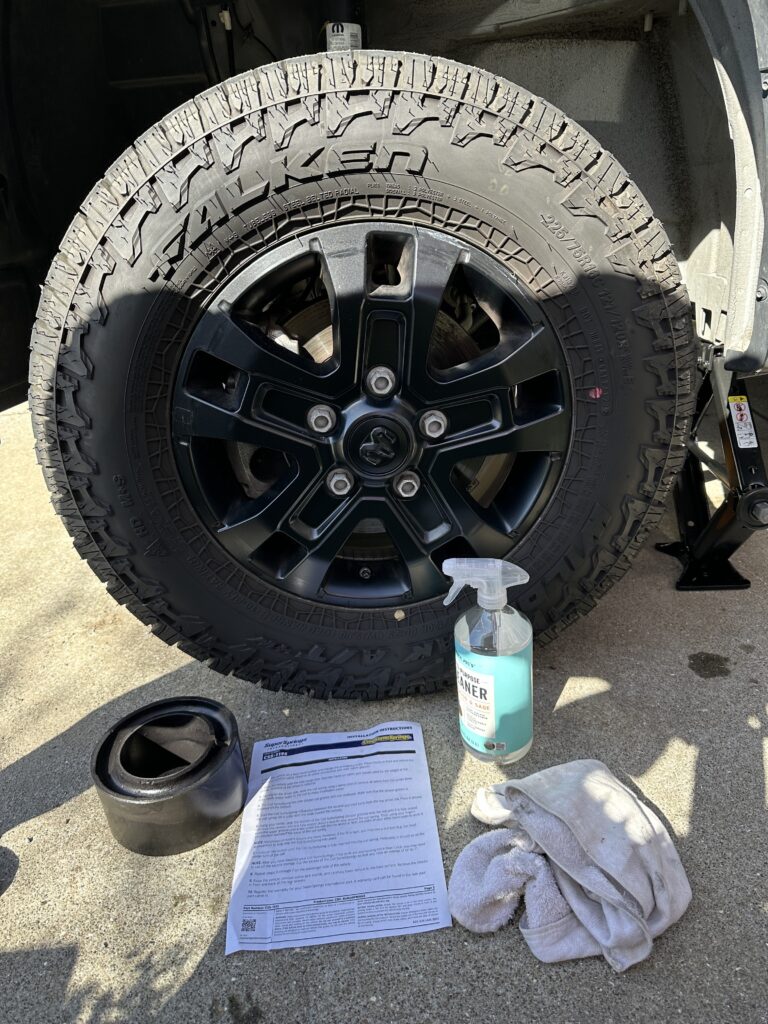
(248, 925)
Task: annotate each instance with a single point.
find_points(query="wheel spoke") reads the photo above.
(307, 577)
(284, 410)
(512, 362)
(319, 510)
(232, 343)
(425, 579)
(548, 433)
(344, 275)
(430, 519)
(430, 274)
(195, 417)
(536, 354)
(246, 347)
(250, 523)
(483, 529)
(475, 418)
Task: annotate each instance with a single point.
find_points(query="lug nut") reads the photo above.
(340, 482)
(407, 484)
(760, 512)
(321, 418)
(381, 381)
(433, 423)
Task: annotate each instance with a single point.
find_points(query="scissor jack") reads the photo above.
(708, 540)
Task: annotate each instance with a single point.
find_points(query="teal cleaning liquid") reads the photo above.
(493, 644)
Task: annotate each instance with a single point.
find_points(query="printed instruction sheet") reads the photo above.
(338, 841)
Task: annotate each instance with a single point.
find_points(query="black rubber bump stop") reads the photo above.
(170, 776)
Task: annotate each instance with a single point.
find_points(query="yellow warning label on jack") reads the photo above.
(743, 426)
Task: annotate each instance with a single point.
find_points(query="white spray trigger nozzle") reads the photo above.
(489, 576)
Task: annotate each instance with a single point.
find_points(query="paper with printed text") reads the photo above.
(338, 841)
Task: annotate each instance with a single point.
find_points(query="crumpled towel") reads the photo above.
(596, 867)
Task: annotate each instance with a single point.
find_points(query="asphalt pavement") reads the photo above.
(668, 689)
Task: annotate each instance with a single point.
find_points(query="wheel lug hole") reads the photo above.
(407, 484)
(339, 482)
(433, 423)
(321, 419)
(381, 381)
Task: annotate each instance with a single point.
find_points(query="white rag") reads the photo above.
(596, 867)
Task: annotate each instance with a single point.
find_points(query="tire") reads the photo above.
(275, 155)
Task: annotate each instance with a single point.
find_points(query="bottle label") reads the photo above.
(476, 703)
(495, 700)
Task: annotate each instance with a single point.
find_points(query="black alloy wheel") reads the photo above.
(433, 367)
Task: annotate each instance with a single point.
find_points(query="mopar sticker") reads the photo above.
(342, 35)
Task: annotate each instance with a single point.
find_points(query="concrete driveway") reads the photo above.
(669, 690)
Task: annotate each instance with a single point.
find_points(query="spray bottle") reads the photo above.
(493, 645)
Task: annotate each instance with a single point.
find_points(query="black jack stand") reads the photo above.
(707, 541)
